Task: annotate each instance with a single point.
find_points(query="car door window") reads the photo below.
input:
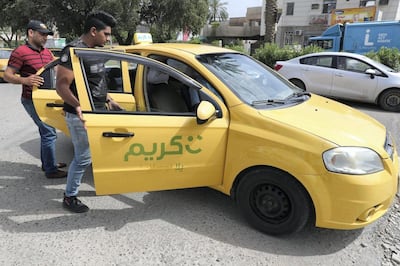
(188, 70)
(323, 61)
(167, 94)
(114, 75)
(355, 65)
(113, 69)
(49, 77)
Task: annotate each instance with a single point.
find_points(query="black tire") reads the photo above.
(389, 100)
(273, 202)
(299, 84)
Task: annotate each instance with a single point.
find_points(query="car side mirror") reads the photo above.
(205, 110)
(371, 72)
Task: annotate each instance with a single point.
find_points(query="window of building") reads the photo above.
(383, 2)
(288, 37)
(290, 9)
(367, 3)
(314, 6)
(328, 6)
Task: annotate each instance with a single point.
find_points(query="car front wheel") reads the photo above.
(390, 100)
(273, 201)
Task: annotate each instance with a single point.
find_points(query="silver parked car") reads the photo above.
(345, 76)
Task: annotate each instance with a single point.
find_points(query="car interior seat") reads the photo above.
(163, 97)
(115, 79)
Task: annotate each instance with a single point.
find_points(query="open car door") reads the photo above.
(49, 106)
(166, 146)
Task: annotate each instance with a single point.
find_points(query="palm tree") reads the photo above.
(271, 9)
(217, 11)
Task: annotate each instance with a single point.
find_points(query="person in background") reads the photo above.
(26, 60)
(97, 32)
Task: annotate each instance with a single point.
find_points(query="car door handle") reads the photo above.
(54, 104)
(339, 75)
(118, 135)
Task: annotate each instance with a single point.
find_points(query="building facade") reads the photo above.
(298, 20)
(236, 28)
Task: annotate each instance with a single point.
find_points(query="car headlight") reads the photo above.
(352, 160)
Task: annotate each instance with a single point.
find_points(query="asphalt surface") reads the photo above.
(179, 227)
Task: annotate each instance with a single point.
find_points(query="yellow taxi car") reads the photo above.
(232, 124)
(4, 56)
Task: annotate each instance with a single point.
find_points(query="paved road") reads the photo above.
(180, 227)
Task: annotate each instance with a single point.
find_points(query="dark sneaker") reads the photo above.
(59, 165)
(73, 204)
(58, 174)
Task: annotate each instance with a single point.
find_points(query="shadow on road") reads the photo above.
(31, 203)
(64, 148)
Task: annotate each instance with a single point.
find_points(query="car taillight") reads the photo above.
(277, 67)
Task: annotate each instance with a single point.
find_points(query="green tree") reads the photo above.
(15, 15)
(127, 14)
(70, 16)
(167, 17)
(217, 11)
(271, 10)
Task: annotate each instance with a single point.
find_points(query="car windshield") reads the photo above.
(385, 67)
(252, 82)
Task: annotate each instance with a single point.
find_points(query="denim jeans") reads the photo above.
(48, 137)
(82, 157)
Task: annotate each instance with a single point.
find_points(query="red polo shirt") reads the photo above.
(26, 60)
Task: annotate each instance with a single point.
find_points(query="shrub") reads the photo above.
(270, 53)
(387, 56)
(238, 47)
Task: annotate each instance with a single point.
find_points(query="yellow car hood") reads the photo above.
(334, 122)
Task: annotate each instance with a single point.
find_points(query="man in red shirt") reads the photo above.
(26, 60)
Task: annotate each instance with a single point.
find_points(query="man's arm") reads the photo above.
(11, 77)
(65, 77)
(113, 105)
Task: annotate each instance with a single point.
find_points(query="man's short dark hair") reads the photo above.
(100, 20)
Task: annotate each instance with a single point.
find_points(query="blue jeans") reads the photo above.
(48, 137)
(82, 158)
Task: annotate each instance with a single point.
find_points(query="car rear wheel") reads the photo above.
(298, 83)
(273, 202)
(390, 100)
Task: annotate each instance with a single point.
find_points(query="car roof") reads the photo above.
(337, 54)
(347, 54)
(194, 49)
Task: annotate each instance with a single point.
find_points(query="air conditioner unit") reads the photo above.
(298, 32)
